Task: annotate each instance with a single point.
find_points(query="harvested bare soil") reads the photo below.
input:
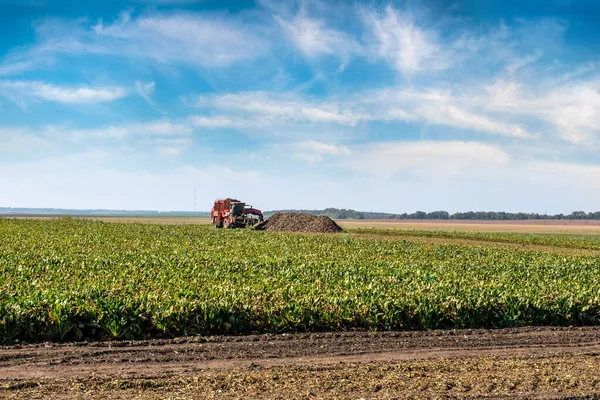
(299, 222)
(508, 363)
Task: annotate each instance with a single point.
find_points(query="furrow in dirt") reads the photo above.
(228, 352)
(540, 363)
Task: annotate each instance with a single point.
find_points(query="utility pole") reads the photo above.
(194, 198)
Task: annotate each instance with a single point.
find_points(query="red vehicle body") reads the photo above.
(232, 213)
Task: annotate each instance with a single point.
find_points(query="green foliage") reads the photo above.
(337, 213)
(564, 241)
(64, 280)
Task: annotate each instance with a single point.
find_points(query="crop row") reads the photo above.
(591, 242)
(64, 280)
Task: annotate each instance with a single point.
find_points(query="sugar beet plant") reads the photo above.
(65, 280)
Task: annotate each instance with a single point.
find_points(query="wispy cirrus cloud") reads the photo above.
(171, 147)
(397, 38)
(571, 108)
(37, 90)
(17, 67)
(390, 34)
(522, 62)
(311, 151)
(220, 121)
(313, 37)
(210, 41)
(283, 107)
(506, 108)
(159, 128)
(387, 105)
(145, 89)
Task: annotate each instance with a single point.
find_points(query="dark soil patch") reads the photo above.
(532, 363)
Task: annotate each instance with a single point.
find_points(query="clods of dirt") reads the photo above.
(299, 222)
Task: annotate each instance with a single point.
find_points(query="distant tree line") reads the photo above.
(336, 213)
(470, 215)
(496, 215)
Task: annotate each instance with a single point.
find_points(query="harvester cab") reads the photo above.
(232, 213)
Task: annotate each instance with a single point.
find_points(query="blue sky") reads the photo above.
(383, 106)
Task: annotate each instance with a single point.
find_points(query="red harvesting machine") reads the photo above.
(232, 213)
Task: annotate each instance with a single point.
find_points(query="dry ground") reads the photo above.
(509, 363)
(578, 227)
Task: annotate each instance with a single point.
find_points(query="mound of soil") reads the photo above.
(292, 222)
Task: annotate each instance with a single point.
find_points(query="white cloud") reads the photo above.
(431, 159)
(284, 107)
(216, 122)
(397, 38)
(19, 141)
(524, 61)
(145, 89)
(16, 67)
(572, 108)
(390, 34)
(452, 115)
(311, 151)
(169, 151)
(171, 147)
(160, 128)
(313, 38)
(19, 90)
(262, 109)
(208, 40)
(468, 111)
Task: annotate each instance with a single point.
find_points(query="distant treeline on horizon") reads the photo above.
(336, 213)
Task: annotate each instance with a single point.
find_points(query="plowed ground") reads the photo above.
(510, 363)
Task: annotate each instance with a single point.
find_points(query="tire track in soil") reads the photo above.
(535, 362)
(223, 352)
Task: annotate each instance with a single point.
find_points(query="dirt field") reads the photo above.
(578, 227)
(510, 363)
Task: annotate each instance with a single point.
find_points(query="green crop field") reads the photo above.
(590, 242)
(64, 280)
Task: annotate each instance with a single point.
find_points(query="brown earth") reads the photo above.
(299, 222)
(574, 227)
(507, 363)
